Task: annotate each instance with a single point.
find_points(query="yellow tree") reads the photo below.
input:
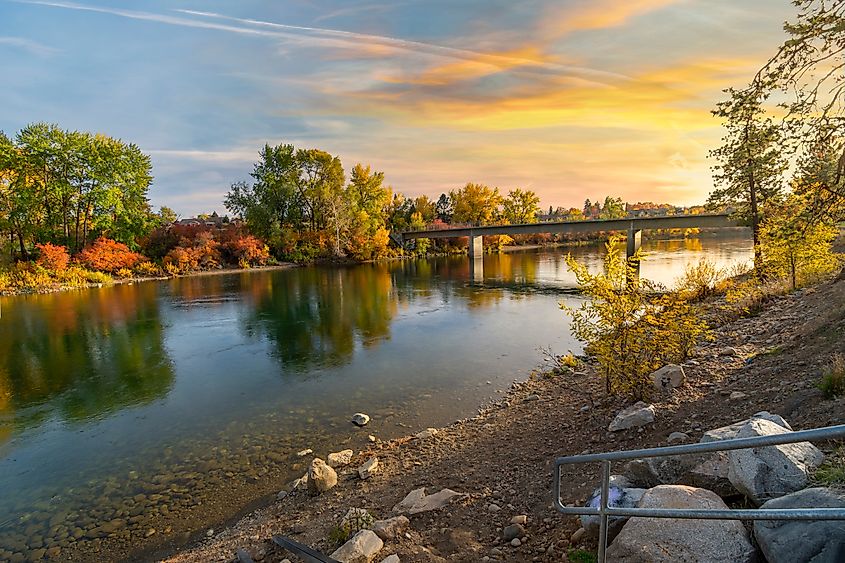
(521, 206)
(476, 204)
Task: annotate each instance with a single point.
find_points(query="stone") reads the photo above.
(369, 468)
(299, 484)
(493, 507)
(371, 438)
(652, 471)
(729, 432)
(417, 501)
(516, 542)
(427, 433)
(765, 473)
(150, 532)
(513, 531)
(304, 453)
(577, 535)
(393, 558)
(362, 548)
(647, 540)
(803, 541)
(531, 398)
(677, 437)
(360, 419)
(638, 414)
(391, 528)
(281, 495)
(520, 519)
(737, 396)
(321, 477)
(670, 376)
(618, 498)
(339, 459)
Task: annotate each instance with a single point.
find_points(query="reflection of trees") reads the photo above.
(313, 316)
(80, 354)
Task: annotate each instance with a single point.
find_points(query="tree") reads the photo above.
(521, 206)
(613, 208)
(476, 204)
(426, 208)
(443, 207)
(749, 163)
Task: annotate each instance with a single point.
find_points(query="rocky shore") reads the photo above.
(480, 489)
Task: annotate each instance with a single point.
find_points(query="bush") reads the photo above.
(180, 260)
(247, 251)
(147, 269)
(124, 273)
(699, 280)
(107, 255)
(27, 276)
(832, 384)
(52, 257)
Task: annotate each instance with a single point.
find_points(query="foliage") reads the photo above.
(613, 208)
(521, 206)
(796, 249)
(52, 257)
(629, 327)
(699, 280)
(337, 536)
(831, 473)
(247, 250)
(475, 204)
(107, 255)
(147, 269)
(832, 383)
(581, 556)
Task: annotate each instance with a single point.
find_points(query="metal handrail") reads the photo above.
(604, 511)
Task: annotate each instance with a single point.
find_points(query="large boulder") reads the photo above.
(819, 541)
(649, 540)
(765, 473)
(732, 430)
(321, 477)
(417, 501)
(638, 414)
(706, 471)
(362, 548)
(617, 497)
(670, 376)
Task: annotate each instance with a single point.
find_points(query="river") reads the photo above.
(172, 405)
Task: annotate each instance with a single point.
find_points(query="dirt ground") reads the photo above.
(505, 454)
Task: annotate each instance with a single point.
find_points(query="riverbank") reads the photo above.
(501, 459)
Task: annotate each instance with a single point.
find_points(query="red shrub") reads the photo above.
(249, 250)
(52, 257)
(107, 255)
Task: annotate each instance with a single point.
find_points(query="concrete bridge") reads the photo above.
(633, 225)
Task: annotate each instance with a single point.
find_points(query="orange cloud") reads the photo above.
(595, 14)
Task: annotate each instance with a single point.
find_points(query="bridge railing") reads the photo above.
(604, 511)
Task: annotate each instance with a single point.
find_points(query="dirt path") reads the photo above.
(504, 455)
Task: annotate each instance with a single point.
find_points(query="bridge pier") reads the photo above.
(475, 251)
(635, 241)
(476, 246)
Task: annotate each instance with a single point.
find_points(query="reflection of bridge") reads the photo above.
(634, 226)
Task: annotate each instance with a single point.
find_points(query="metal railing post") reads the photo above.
(605, 495)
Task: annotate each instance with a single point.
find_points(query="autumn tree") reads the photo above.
(521, 206)
(426, 208)
(443, 208)
(476, 204)
(613, 208)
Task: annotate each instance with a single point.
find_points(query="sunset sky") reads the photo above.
(570, 98)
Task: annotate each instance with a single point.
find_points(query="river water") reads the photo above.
(172, 405)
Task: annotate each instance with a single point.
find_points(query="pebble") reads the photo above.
(521, 519)
(493, 507)
(360, 419)
(150, 532)
(737, 395)
(531, 398)
(577, 535)
(516, 542)
(371, 438)
(304, 453)
(209, 533)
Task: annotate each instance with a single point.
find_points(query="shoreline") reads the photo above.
(534, 422)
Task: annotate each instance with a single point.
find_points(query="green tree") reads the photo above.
(521, 206)
(476, 204)
(426, 208)
(444, 208)
(613, 208)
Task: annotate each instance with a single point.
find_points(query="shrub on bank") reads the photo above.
(52, 257)
(107, 255)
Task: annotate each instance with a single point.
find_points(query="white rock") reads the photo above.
(520, 519)
(728, 432)
(665, 540)
(773, 471)
(391, 528)
(360, 419)
(391, 559)
(427, 433)
(368, 468)
(638, 414)
(300, 484)
(417, 501)
(677, 437)
(339, 459)
(304, 453)
(670, 376)
(362, 548)
(321, 477)
(737, 396)
(371, 438)
(516, 542)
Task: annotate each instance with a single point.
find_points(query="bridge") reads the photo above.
(633, 225)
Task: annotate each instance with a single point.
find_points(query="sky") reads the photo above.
(573, 99)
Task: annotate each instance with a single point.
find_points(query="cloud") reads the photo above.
(28, 45)
(584, 15)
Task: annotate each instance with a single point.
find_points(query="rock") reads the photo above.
(417, 501)
(513, 531)
(803, 541)
(670, 376)
(391, 559)
(281, 494)
(516, 542)
(321, 477)
(391, 528)
(150, 532)
(304, 453)
(521, 519)
(638, 414)
(299, 484)
(668, 540)
(773, 471)
(618, 498)
(339, 459)
(360, 419)
(652, 471)
(711, 473)
(676, 437)
(728, 432)
(531, 398)
(737, 396)
(577, 535)
(427, 433)
(493, 507)
(362, 548)
(369, 467)
(371, 438)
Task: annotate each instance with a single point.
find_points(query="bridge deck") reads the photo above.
(638, 223)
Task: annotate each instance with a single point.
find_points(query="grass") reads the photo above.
(832, 384)
(581, 556)
(337, 536)
(831, 473)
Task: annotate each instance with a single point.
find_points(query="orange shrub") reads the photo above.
(52, 257)
(107, 255)
(180, 260)
(248, 250)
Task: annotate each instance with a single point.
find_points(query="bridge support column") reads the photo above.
(635, 241)
(476, 246)
(476, 258)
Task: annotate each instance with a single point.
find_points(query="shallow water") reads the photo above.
(149, 405)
